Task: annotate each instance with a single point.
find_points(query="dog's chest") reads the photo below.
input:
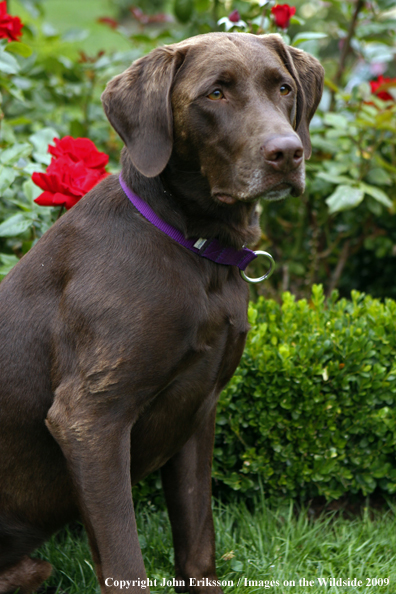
(209, 359)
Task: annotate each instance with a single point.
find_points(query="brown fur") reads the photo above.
(27, 575)
(115, 341)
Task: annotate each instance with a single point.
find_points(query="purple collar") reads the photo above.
(207, 248)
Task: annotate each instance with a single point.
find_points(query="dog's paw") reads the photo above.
(25, 577)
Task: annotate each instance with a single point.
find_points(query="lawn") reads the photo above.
(271, 545)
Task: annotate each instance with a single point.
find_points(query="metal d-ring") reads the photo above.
(266, 275)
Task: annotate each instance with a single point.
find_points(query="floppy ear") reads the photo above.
(309, 75)
(138, 106)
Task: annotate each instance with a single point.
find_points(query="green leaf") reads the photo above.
(377, 194)
(33, 7)
(344, 198)
(384, 163)
(31, 191)
(8, 261)
(20, 121)
(376, 208)
(77, 129)
(49, 30)
(374, 28)
(8, 64)
(336, 120)
(329, 83)
(183, 10)
(16, 47)
(7, 176)
(75, 34)
(335, 179)
(40, 140)
(15, 225)
(295, 20)
(379, 177)
(252, 314)
(17, 93)
(202, 5)
(307, 36)
(140, 37)
(236, 565)
(12, 155)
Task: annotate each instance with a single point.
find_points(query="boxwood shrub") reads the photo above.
(311, 409)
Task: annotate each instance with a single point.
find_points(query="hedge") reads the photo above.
(311, 409)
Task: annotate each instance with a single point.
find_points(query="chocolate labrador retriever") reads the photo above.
(115, 338)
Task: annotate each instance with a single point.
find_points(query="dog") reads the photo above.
(115, 340)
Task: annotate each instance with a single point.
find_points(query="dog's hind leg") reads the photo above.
(186, 479)
(18, 572)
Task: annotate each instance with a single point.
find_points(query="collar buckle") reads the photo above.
(259, 279)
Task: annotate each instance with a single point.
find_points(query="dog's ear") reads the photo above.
(138, 106)
(309, 76)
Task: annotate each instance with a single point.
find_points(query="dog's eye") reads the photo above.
(285, 90)
(216, 95)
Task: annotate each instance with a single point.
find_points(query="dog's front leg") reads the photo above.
(95, 439)
(186, 479)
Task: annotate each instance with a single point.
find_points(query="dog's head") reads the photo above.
(236, 107)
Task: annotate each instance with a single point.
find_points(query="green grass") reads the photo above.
(269, 545)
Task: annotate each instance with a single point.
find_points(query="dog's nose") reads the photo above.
(283, 153)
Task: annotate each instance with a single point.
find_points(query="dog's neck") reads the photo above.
(182, 199)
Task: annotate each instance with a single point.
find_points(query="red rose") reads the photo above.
(10, 26)
(108, 21)
(234, 17)
(282, 14)
(76, 167)
(377, 84)
(79, 149)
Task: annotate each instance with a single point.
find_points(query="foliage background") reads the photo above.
(341, 233)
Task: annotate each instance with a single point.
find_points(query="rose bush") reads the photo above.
(76, 167)
(341, 232)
